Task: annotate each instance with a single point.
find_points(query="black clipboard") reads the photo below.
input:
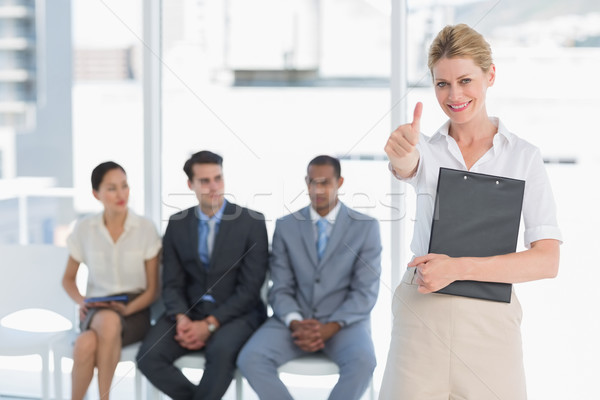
(476, 215)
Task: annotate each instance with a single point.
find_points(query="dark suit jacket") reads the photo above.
(236, 272)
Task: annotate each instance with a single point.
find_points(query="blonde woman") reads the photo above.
(451, 347)
(121, 252)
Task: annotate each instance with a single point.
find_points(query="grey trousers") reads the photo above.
(272, 345)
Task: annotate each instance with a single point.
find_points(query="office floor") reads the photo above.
(19, 385)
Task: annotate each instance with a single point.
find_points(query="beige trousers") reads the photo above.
(453, 348)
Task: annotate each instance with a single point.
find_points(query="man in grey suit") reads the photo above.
(215, 258)
(325, 268)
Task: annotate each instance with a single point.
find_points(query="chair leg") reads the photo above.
(371, 390)
(58, 394)
(138, 384)
(45, 376)
(239, 385)
(152, 393)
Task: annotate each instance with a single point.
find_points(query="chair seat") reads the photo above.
(129, 352)
(19, 343)
(317, 364)
(194, 360)
(63, 346)
(197, 360)
(311, 365)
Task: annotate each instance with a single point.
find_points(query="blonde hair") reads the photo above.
(460, 41)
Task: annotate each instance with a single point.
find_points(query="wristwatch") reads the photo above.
(212, 327)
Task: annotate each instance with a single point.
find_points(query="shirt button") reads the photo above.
(318, 280)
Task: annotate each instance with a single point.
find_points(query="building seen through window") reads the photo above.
(35, 120)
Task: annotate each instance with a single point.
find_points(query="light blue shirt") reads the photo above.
(203, 218)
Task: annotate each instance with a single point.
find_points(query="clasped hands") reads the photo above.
(310, 335)
(434, 271)
(191, 335)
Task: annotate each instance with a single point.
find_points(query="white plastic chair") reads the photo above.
(63, 348)
(317, 364)
(197, 361)
(31, 278)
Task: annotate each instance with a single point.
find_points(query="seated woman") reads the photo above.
(121, 251)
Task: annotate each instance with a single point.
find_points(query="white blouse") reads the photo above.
(114, 267)
(510, 156)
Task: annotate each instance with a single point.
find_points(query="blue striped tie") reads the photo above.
(321, 236)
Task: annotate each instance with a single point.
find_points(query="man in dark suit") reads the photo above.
(215, 257)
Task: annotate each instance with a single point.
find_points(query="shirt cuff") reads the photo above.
(291, 317)
(411, 179)
(393, 171)
(541, 232)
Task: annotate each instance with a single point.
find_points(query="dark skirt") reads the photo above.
(135, 326)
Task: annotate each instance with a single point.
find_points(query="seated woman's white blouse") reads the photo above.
(510, 156)
(114, 267)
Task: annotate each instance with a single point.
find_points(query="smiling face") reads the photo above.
(460, 88)
(113, 191)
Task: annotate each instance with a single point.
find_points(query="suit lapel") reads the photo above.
(227, 223)
(307, 231)
(337, 234)
(192, 221)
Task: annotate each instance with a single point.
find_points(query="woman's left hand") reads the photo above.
(118, 306)
(434, 271)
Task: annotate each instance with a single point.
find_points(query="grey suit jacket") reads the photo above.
(343, 285)
(236, 272)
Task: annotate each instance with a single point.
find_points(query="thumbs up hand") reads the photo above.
(401, 145)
